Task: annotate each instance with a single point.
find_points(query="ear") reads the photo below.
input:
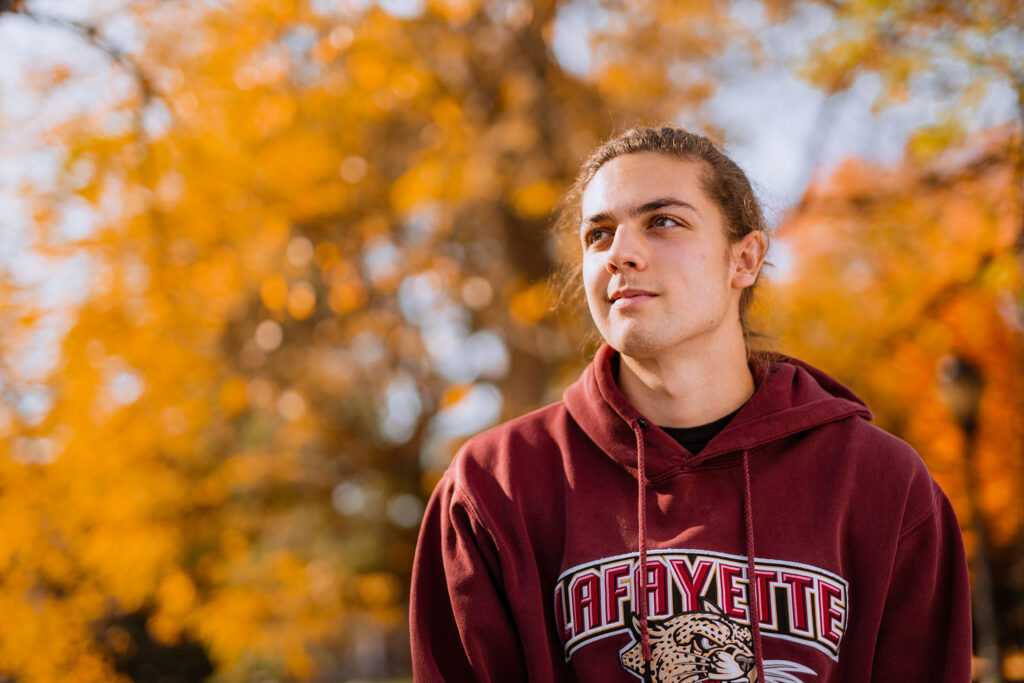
(711, 607)
(747, 257)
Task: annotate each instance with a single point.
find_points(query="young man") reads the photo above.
(689, 512)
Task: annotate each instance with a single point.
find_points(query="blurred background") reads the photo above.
(266, 264)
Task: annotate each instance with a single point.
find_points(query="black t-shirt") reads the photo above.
(694, 439)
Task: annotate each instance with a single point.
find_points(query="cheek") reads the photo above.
(593, 280)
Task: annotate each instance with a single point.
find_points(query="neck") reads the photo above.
(680, 389)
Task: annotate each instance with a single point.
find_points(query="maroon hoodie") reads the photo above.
(540, 536)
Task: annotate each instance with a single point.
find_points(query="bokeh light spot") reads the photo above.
(291, 406)
(299, 252)
(269, 335)
(353, 169)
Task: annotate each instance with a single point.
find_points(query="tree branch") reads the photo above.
(94, 37)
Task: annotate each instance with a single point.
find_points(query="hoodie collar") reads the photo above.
(790, 397)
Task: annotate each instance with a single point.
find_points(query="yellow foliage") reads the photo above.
(454, 394)
(218, 383)
(301, 300)
(421, 183)
(446, 112)
(373, 227)
(176, 593)
(367, 69)
(346, 297)
(456, 12)
(429, 479)
(165, 628)
(274, 292)
(230, 621)
(233, 544)
(927, 143)
(1013, 664)
(536, 200)
(291, 573)
(234, 395)
(935, 268)
(531, 304)
(377, 589)
(271, 114)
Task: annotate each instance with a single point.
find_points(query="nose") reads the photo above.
(628, 251)
(745, 662)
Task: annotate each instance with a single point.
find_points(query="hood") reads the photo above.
(790, 397)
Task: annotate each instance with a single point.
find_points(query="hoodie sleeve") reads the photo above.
(460, 623)
(925, 634)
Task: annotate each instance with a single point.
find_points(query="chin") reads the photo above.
(635, 344)
(650, 341)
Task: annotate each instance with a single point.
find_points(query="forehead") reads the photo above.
(634, 179)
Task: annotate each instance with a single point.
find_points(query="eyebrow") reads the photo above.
(646, 207)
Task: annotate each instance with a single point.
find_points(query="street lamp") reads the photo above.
(962, 384)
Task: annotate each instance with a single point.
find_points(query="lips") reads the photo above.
(621, 298)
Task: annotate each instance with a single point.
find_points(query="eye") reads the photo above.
(665, 222)
(705, 643)
(595, 235)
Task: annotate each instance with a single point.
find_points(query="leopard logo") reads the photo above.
(702, 647)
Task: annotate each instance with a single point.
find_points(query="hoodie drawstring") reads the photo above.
(748, 518)
(645, 638)
(753, 598)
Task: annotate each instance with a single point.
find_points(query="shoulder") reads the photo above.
(501, 461)
(526, 437)
(876, 448)
(886, 472)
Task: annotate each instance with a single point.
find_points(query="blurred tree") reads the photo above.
(320, 242)
(965, 55)
(898, 276)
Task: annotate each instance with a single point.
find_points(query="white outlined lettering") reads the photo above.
(796, 602)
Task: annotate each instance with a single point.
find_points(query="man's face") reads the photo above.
(657, 267)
